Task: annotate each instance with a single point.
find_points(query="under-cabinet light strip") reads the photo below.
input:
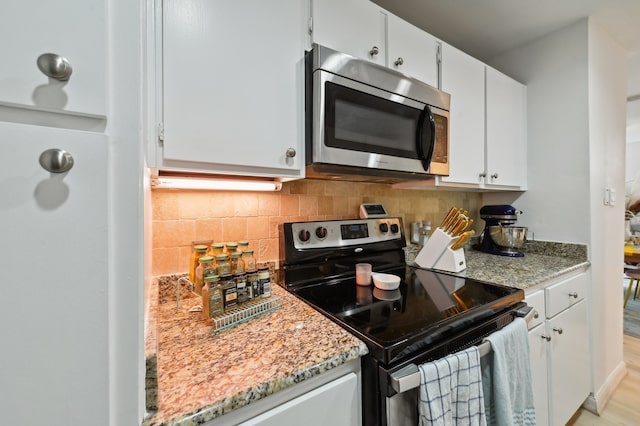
(215, 184)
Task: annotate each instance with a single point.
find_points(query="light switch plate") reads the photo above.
(612, 197)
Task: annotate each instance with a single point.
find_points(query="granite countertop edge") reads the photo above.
(256, 393)
(347, 349)
(542, 262)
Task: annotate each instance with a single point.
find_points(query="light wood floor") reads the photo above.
(624, 406)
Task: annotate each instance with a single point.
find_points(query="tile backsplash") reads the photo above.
(181, 216)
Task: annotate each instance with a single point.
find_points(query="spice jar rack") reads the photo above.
(245, 312)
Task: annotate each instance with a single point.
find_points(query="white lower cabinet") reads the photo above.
(569, 377)
(538, 356)
(539, 368)
(335, 403)
(330, 398)
(559, 350)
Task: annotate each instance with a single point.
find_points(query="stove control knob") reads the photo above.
(304, 235)
(384, 227)
(394, 228)
(321, 232)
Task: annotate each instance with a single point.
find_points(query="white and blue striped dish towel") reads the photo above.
(451, 391)
(506, 377)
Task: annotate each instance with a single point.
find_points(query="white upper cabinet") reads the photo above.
(355, 27)
(463, 79)
(361, 28)
(487, 143)
(506, 131)
(73, 29)
(232, 87)
(411, 50)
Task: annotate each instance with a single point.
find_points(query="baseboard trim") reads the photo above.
(597, 403)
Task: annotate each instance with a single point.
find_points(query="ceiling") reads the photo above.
(487, 28)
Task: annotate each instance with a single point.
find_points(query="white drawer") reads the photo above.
(536, 301)
(564, 294)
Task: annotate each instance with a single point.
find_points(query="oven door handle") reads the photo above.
(408, 377)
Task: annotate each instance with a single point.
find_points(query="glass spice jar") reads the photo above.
(249, 260)
(230, 247)
(223, 266)
(230, 291)
(237, 265)
(212, 297)
(264, 281)
(197, 251)
(216, 249)
(205, 268)
(253, 284)
(241, 287)
(243, 245)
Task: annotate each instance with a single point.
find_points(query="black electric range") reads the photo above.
(430, 315)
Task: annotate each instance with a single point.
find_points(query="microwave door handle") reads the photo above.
(424, 148)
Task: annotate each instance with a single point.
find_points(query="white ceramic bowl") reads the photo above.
(385, 281)
(387, 295)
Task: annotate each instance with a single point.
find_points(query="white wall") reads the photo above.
(607, 118)
(576, 81)
(555, 71)
(632, 161)
(632, 165)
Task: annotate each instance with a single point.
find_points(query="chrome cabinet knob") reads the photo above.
(574, 295)
(536, 315)
(56, 160)
(54, 66)
(547, 338)
(557, 330)
(290, 153)
(483, 175)
(494, 176)
(374, 51)
(398, 62)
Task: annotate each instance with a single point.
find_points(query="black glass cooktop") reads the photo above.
(428, 307)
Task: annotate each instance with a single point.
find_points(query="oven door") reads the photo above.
(399, 386)
(355, 124)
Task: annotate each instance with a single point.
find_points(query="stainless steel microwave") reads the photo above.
(368, 122)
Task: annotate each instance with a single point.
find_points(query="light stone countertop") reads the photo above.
(542, 261)
(202, 375)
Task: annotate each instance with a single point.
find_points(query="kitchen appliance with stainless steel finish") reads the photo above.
(430, 315)
(500, 235)
(368, 122)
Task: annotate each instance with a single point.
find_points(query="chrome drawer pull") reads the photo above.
(574, 295)
(558, 330)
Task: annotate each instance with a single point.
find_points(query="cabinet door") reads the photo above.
(53, 271)
(506, 131)
(350, 26)
(335, 403)
(463, 79)
(538, 354)
(74, 29)
(411, 50)
(569, 374)
(233, 74)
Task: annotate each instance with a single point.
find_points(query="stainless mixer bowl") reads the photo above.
(508, 236)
